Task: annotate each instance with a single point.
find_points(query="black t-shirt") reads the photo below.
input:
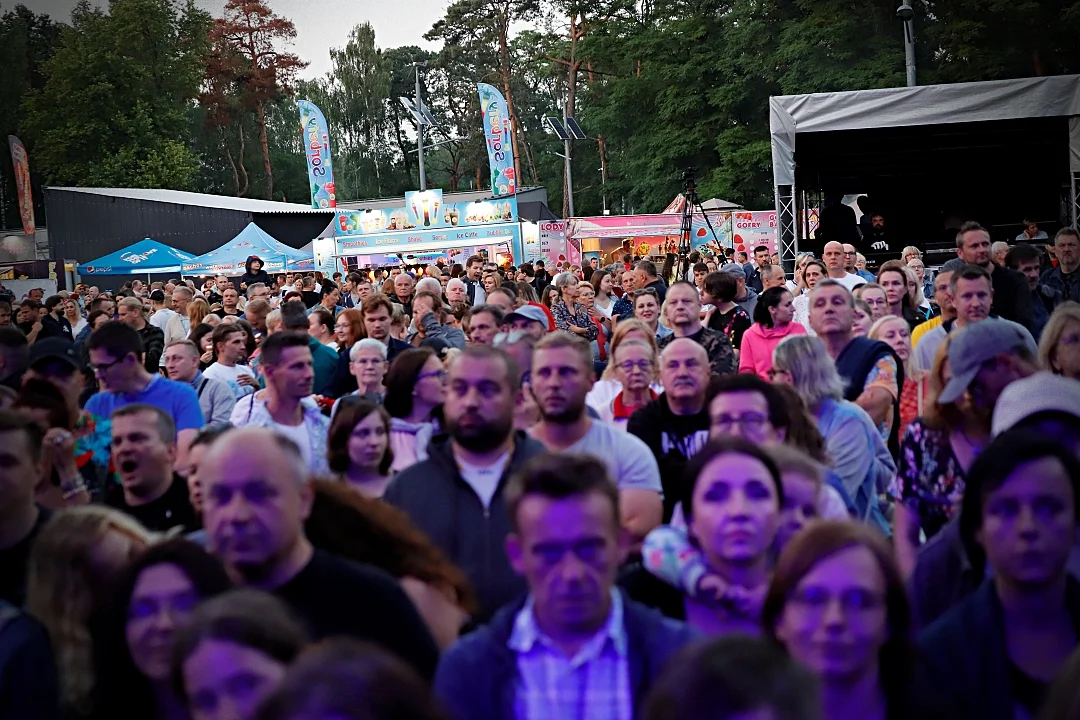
(673, 439)
(14, 561)
(171, 509)
(53, 327)
(310, 298)
(335, 596)
(734, 323)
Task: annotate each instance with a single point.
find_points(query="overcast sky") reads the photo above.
(320, 24)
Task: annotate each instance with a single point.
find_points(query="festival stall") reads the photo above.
(145, 257)
(229, 259)
(425, 227)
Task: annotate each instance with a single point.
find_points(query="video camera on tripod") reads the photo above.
(686, 231)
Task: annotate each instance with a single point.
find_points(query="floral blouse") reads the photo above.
(579, 316)
(929, 478)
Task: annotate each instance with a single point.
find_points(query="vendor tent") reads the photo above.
(143, 258)
(229, 259)
(989, 151)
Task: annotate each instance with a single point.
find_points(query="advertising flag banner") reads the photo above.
(316, 138)
(21, 162)
(497, 132)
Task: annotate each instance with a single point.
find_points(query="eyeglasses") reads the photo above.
(646, 291)
(440, 374)
(105, 367)
(747, 421)
(629, 365)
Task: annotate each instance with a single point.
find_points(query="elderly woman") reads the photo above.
(367, 367)
(570, 315)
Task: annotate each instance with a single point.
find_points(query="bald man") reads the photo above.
(256, 499)
(676, 424)
(833, 256)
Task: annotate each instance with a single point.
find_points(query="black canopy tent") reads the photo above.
(995, 152)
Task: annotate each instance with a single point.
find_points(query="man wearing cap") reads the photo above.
(943, 301)
(745, 298)
(987, 356)
(162, 314)
(528, 319)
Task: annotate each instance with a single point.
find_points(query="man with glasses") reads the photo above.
(115, 351)
(851, 263)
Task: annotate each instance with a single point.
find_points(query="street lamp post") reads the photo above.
(906, 13)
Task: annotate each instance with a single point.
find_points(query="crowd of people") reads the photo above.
(460, 491)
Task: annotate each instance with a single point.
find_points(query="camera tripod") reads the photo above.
(689, 179)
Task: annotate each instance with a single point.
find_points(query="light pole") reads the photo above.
(420, 125)
(906, 13)
(568, 130)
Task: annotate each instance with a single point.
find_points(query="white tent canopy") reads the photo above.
(790, 115)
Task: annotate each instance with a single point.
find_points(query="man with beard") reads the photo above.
(144, 450)
(255, 498)
(456, 496)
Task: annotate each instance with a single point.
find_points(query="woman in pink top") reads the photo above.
(772, 323)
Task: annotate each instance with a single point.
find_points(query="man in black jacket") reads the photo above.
(456, 496)
(1012, 298)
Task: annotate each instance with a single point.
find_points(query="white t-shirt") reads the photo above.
(628, 458)
(231, 377)
(483, 480)
(299, 435)
(850, 281)
(161, 318)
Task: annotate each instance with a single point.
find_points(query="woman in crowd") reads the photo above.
(719, 291)
(570, 315)
(549, 296)
(837, 605)
(234, 652)
(896, 333)
(414, 396)
(342, 679)
(602, 284)
(348, 329)
(97, 318)
(526, 292)
(918, 300)
(321, 327)
(813, 272)
(603, 326)
(864, 318)
(358, 446)
(647, 309)
(74, 565)
(922, 278)
(936, 452)
(859, 456)
(74, 317)
(491, 281)
(202, 336)
(612, 386)
(197, 310)
(154, 598)
(346, 523)
(875, 298)
(773, 317)
(894, 278)
(1059, 346)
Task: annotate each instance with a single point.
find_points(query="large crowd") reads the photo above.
(680, 488)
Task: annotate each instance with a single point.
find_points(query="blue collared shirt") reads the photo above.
(594, 684)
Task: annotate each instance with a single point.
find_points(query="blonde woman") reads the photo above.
(894, 332)
(197, 310)
(1059, 347)
(74, 564)
(610, 385)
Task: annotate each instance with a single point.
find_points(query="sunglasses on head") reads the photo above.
(646, 291)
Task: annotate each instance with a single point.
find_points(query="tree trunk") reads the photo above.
(265, 146)
(240, 162)
(232, 162)
(504, 71)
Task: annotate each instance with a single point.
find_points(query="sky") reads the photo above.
(320, 24)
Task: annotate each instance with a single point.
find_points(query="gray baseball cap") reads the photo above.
(977, 344)
(529, 312)
(734, 269)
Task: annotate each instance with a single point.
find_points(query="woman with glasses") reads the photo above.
(610, 386)
(773, 321)
(635, 369)
(647, 309)
(837, 605)
(570, 315)
(348, 329)
(415, 390)
(875, 298)
(358, 445)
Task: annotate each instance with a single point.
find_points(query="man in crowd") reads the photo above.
(871, 368)
(623, 309)
(474, 269)
(14, 352)
(230, 303)
(351, 297)
(753, 269)
(484, 323)
(21, 468)
(985, 357)
(676, 425)
(216, 399)
(455, 496)
(943, 299)
(772, 276)
(684, 318)
(5, 313)
(256, 291)
(53, 322)
(378, 313)
(285, 406)
(309, 294)
(833, 257)
(998, 251)
(256, 312)
(541, 278)
(105, 305)
(1011, 297)
(221, 284)
(256, 497)
(230, 350)
(403, 292)
(457, 292)
(429, 317)
(503, 298)
(153, 340)
(161, 312)
(1065, 278)
(294, 318)
(179, 326)
(645, 276)
(745, 297)
(562, 375)
(530, 320)
(144, 452)
(115, 351)
(1031, 232)
(1027, 260)
(576, 646)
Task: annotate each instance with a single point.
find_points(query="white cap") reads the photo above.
(1042, 392)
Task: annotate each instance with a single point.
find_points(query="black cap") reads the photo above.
(157, 296)
(54, 348)
(440, 346)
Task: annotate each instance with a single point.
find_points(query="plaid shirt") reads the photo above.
(594, 684)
